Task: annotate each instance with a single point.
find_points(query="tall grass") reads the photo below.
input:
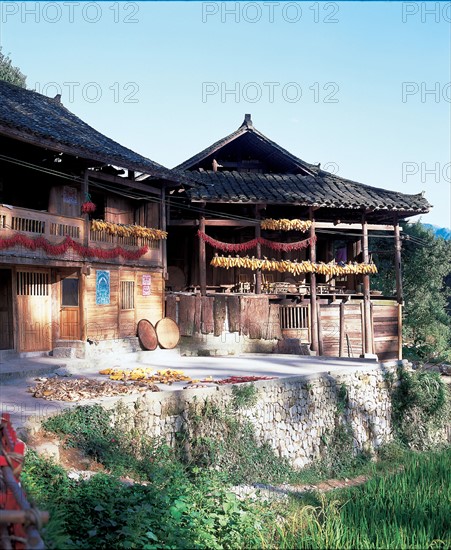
(409, 509)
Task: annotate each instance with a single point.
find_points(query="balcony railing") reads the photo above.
(54, 228)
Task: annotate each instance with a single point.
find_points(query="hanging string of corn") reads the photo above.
(124, 230)
(293, 267)
(285, 225)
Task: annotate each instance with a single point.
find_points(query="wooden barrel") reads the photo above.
(168, 333)
(147, 335)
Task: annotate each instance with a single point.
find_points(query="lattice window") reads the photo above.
(32, 284)
(294, 317)
(127, 294)
(2, 221)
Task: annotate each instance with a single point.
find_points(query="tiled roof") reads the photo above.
(46, 122)
(323, 190)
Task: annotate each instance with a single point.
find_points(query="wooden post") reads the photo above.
(258, 234)
(82, 307)
(202, 259)
(314, 311)
(85, 191)
(398, 271)
(368, 347)
(320, 330)
(163, 224)
(342, 329)
(399, 331)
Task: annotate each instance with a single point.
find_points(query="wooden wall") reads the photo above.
(384, 316)
(256, 317)
(105, 322)
(386, 326)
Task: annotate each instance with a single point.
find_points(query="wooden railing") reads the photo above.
(54, 228)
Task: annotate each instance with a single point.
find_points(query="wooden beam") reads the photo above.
(398, 270)
(202, 260)
(250, 223)
(356, 226)
(124, 182)
(313, 310)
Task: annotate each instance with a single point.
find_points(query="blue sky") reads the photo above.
(362, 87)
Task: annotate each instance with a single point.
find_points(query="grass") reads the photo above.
(408, 509)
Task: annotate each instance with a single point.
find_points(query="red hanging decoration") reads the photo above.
(88, 207)
(240, 247)
(59, 249)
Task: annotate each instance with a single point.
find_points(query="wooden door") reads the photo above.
(70, 310)
(34, 310)
(6, 310)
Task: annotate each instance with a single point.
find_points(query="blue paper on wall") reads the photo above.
(102, 287)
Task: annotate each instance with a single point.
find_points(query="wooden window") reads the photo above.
(69, 292)
(294, 317)
(32, 284)
(127, 294)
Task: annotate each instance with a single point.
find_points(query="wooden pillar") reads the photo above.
(202, 259)
(330, 257)
(399, 331)
(314, 307)
(163, 225)
(368, 345)
(85, 192)
(342, 329)
(398, 271)
(258, 234)
(82, 306)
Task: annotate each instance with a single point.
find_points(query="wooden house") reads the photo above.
(72, 277)
(274, 249)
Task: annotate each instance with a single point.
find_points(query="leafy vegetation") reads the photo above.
(426, 267)
(9, 73)
(421, 407)
(182, 497)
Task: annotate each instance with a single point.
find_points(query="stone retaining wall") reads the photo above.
(295, 415)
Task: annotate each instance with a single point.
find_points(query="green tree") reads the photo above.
(9, 73)
(426, 266)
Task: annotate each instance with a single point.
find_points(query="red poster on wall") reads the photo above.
(146, 285)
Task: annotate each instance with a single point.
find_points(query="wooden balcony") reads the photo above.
(54, 229)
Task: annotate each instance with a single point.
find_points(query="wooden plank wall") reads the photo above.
(252, 316)
(385, 323)
(106, 322)
(385, 329)
(352, 329)
(256, 318)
